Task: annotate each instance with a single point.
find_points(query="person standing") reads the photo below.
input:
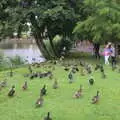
(107, 53)
(113, 56)
(96, 50)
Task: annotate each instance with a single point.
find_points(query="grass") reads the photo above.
(60, 102)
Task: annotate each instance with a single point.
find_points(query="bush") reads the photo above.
(59, 43)
(16, 61)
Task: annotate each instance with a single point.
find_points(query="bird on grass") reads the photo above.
(51, 76)
(82, 72)
(78, 93)
(70, 77)
(91, 81)
(48, 117)
(101, 69)
(66, 69)
(82, 64)
(3, 83)
(95, 98)
(43, 90)
(88, 69)
(25, 86)
(55, 84)
(97, 67)
(39, 102)
(12, 91)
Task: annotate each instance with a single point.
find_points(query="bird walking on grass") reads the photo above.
(12, 91)
(96, 98)
(43, 90)
(70, 77)
(48, 117)
(39, 102)
(25, 86)
(78, 93)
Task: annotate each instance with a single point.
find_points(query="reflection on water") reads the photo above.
(28, 51)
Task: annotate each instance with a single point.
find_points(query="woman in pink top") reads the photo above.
(107, 53)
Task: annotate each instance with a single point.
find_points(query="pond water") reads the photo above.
(26, 50)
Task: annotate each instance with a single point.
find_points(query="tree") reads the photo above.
(48, 19)
(102, 23)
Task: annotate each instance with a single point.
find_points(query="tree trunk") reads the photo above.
(52, 46)
(41, 46)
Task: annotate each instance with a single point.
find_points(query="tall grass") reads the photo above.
(7, 62)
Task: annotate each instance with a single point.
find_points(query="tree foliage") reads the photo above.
(102, 23)
(48, 19)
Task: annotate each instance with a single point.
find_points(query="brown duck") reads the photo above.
(39, 101)
(55, 84)
(95, 99)
(25, 86)
(48, 117)
(12, 91)
(78, 93)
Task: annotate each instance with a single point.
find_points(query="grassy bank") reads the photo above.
(60, 102)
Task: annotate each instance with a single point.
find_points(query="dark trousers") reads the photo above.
(113, 60)
(97, 55)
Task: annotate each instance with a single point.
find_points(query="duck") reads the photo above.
(82, 63)
(97, 67)
(55, 84)
(3, 83)
(95, 99)
(88, 69)
(78, 93)
(39, 102)
(48, 117)
(91, 81)
(70, 77)
(43, 91)
(66, 69)
(101, 69)
(82, 72)
(25, 86)
(12, 91)
(73, 70)
(51, 76)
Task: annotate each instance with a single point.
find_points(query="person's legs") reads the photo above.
(106, 60)
(113, 61)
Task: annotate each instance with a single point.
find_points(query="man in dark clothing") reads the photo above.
(96, 50)
(113, 57)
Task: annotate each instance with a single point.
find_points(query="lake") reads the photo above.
(27, 50)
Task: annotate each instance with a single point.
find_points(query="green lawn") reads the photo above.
(59, 102)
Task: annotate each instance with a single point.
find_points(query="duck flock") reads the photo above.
(71, 68)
